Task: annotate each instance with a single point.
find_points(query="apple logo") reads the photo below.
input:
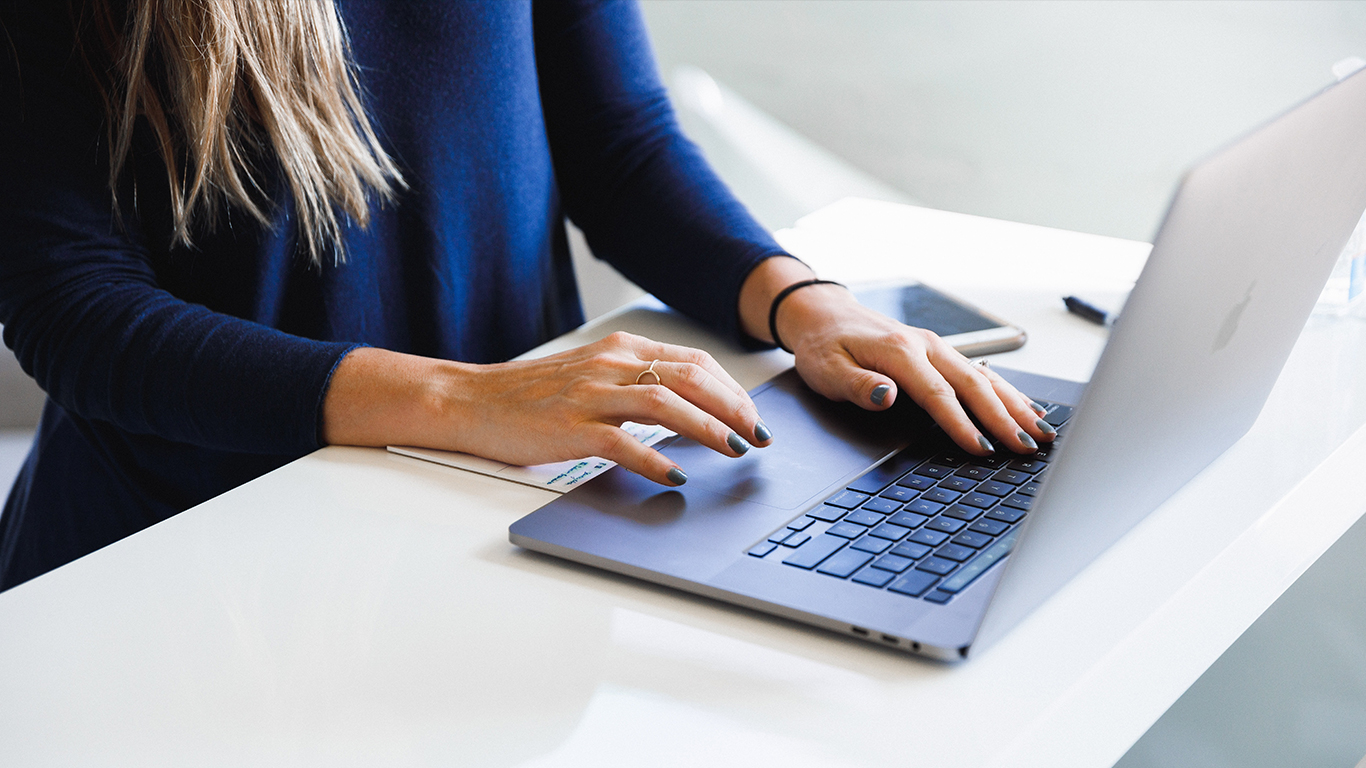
(1230, 325)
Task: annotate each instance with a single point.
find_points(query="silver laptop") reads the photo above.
(874, 525)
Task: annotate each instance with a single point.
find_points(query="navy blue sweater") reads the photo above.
(174, 374)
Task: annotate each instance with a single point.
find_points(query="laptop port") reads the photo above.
(890, 639)
(859, 631)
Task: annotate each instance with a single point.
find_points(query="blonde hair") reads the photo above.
(220, 80)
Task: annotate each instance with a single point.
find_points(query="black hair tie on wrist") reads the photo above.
(783, 294)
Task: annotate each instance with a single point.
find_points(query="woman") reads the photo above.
(238, 230)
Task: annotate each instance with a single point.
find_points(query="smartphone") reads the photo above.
(969, 329)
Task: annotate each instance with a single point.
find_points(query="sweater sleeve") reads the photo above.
(642, 193)
(79, 298)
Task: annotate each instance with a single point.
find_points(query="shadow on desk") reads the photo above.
(1290, 691)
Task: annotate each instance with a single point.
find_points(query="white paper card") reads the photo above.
(559, 476)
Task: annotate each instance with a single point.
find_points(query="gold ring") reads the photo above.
(651, 371)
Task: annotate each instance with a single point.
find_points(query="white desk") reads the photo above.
(361, 608)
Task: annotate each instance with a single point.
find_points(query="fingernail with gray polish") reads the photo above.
(1045, 427)
(1027, 440)
(736, 443)
(676, 476)
(1039, 409)
(986, 444)
(880, 393)
(762, 432)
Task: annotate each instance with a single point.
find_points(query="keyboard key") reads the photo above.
(996, 488)
(780, 535)
(796, 539)
(897, 493)
(974, 472)
(979, 565)
(893, 563)
(762, 548)
(915, 482)
(979, 500)
(955, 552)
(847, 499)
(1030, 489)
(863, 517)
(940, 495)
(937, 471)
(881, 476)
(800, 524)
(844, 563)
(889, 531)
(1018, 501)
(873, 577)
(928, 537)
(949, 460)
(828, 514)
(910, 549)
(846, 530)
(1028, 465)
(960, 512)
(871, 544)
(989, 527)
(908, 519)
(956, 483)
(1006, 514)
(1011, 476)
(914, 583)
(1058, 415)
(945, 524)
(811, 554)
(971, 538)
(870, 484)
(922, 507)
(939, 597)
(995, 462)
(882, 506)
(937, 565)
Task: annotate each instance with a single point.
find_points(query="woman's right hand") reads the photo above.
(566, 406)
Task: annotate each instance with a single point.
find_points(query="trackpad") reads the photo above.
(815, 444)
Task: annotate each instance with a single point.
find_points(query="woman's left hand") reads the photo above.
(846, 351)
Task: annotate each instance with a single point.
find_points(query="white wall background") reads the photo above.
(1069, 114)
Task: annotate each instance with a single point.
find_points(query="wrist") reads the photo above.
(762, 286)
(777, 304)
(810, 311)
(378, 397)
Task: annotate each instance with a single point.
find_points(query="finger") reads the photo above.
(616, 444)
(939, 396)
(839, 377)
(877, 369)
(698, 386)
(976, 389)
(704, 360)
(663, 406)
(1022, 409)
(648, 349)
(744, 419)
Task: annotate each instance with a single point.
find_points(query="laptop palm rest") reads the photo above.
(820, 443)
(728, 504)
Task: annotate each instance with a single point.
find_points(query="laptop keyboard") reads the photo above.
(920, 525)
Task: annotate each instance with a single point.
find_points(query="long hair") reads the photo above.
(218, 82)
